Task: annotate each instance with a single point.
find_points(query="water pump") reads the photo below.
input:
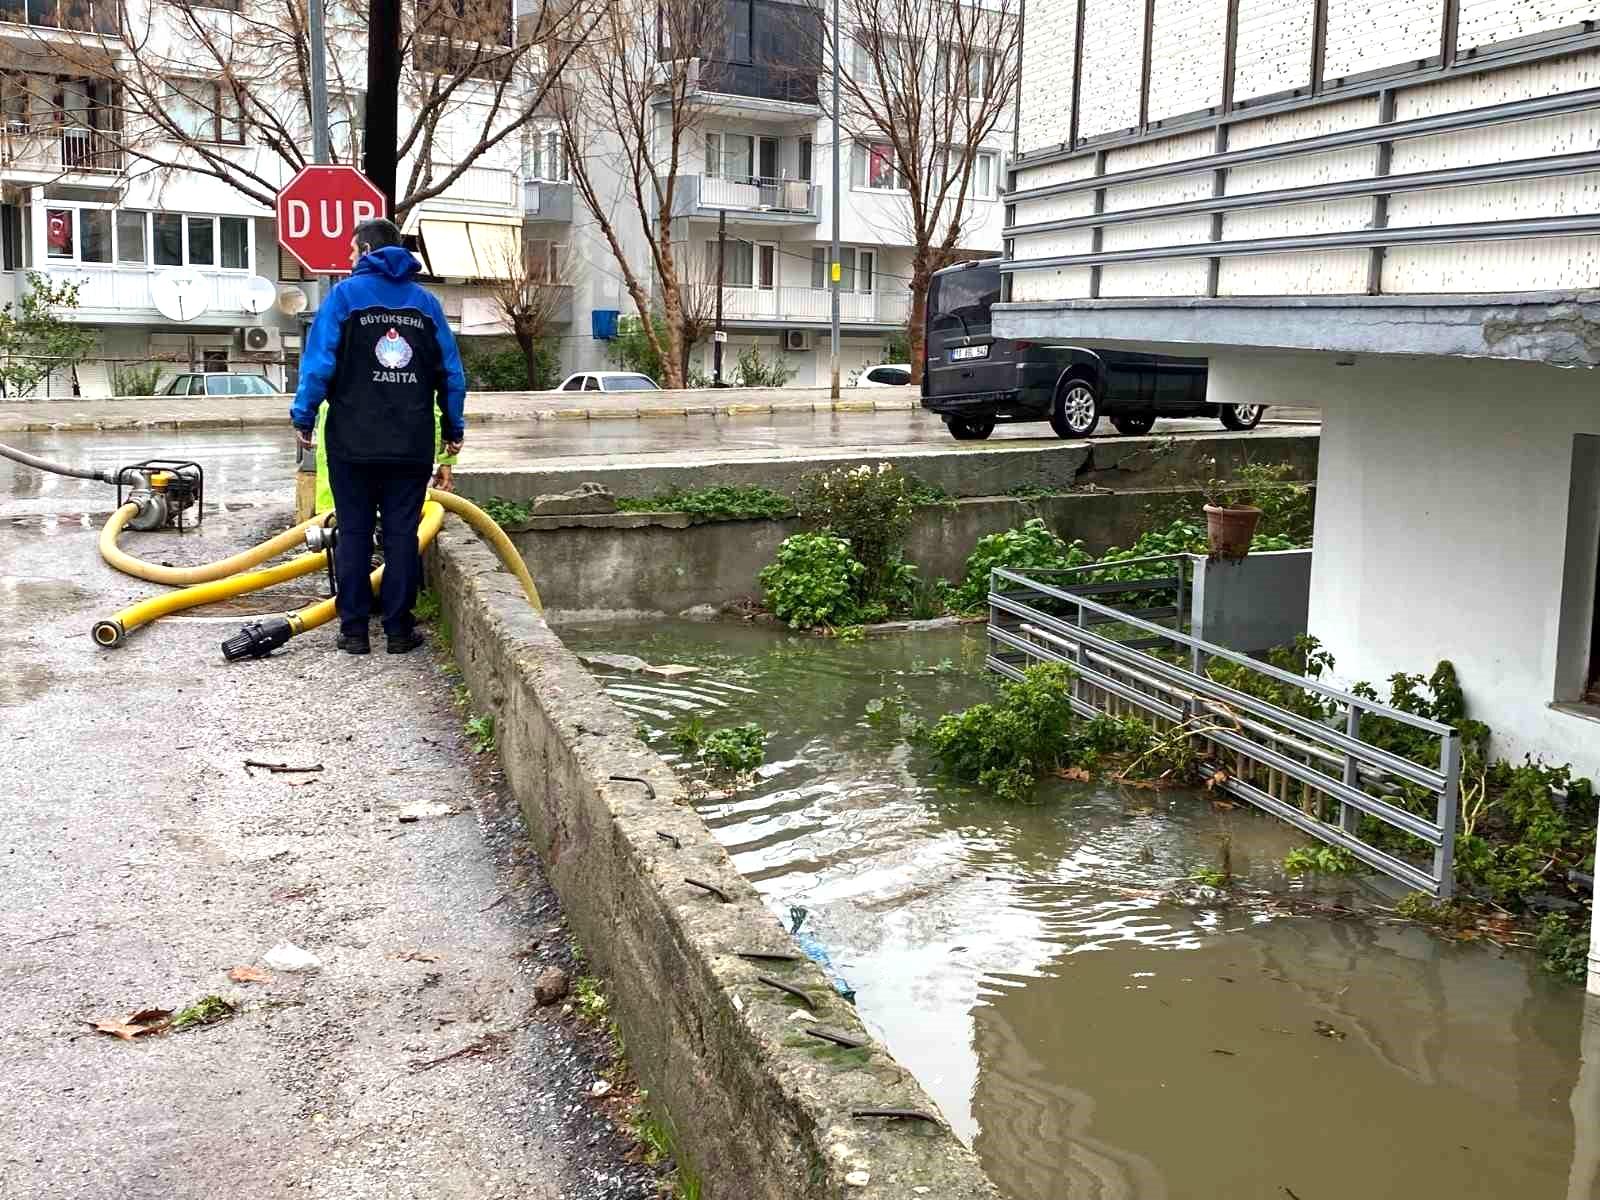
(165, 490)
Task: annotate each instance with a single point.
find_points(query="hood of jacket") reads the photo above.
(392, 262)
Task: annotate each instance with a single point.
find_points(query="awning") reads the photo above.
(498, 249)
(448, 248)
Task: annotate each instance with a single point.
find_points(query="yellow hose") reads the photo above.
(206, 573)
(495, 536)
(111, 631)
(306, 619)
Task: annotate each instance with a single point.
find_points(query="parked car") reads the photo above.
(886, 375)
(974, 379)
(608, 381)
(219, 383)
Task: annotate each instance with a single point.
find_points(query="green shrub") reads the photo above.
(1033, 546)
(1320, 860)
(754, 371)
(630, 350)
(737, 750)
(143, 380)
(871, 508)
(813, 581)
(497, 365)
(1563, 946)
(1006, 746)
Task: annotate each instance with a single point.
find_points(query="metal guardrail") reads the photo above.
(1318, 775)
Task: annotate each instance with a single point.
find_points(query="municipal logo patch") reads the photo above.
(393, 351)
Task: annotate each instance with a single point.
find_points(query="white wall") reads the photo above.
(1443, 527)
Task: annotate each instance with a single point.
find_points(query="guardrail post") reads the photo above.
(1444, 858)
(1350, 818)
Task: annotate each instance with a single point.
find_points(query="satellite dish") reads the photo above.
(181, 294)
(257, 295)
(292, 301)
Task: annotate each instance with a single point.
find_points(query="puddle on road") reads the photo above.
(1087, 1034)
(39, 594)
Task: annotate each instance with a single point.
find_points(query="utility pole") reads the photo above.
(315, 20)
(838, 202)
(717, 335)
(383, 98)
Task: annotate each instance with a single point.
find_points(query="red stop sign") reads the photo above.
(318, 211)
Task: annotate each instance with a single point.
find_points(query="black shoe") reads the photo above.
(405, 643)
(353, 644)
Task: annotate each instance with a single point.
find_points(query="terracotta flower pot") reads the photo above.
(1229, 530)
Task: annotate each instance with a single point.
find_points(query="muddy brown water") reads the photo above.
(1091, 1024)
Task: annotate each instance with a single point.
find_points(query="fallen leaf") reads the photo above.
(249, 975)
(145, 1021)
(1076, 774)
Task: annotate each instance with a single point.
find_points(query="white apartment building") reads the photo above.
(88, 198)
(760, 152)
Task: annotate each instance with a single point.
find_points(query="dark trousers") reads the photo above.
(360, 492)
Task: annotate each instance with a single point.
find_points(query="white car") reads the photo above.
(885, 375)
(608, 381)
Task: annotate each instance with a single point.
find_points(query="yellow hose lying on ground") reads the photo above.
(205, 573)
(111, 631)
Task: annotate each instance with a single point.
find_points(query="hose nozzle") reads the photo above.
(257, 640)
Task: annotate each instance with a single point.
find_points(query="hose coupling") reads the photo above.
(154, 510)
(322, 537)
(108, 633)
(257, 640)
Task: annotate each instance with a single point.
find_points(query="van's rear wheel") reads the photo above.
(1134, 424)
(1242, 416)
(970, 429)
(1077, 409)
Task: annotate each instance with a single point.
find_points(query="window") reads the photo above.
(738, 268)
(235, 242)
(94, 228)
(805, 160)
(549, 162)
(872, 166)
(767, 260)
(11, 235)
(856, 268)
(201, 110)
(202, 242)
(630, 383)
(60, 240)
(966, 70)
(131, 237)
(737, 45)
(730, 155)
(575, 384)
(591, 384)
(214, 360)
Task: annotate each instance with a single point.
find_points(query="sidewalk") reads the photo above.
(186, 413)
(145, 860)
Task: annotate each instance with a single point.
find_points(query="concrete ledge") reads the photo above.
(760, 1111)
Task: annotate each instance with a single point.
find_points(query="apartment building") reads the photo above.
(759, 155)
(91, 194)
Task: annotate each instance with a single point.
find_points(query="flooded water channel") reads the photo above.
(1087, 1024)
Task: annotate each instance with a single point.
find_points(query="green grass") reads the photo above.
(480, 731)
(738, 503)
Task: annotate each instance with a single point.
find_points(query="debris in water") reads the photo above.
(286, 956)
(1229, 1053)
(671, 671)
(249, 975)
(1328, 1031)
(139, 1024)
(416, 812)
(1075, 774)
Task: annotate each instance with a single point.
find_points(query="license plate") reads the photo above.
(963, 353)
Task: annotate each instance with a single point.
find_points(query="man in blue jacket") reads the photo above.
(380, 353)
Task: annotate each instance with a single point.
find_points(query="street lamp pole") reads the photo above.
(838, 201)
(718, 336)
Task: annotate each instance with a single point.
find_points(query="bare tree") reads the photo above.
(535, 283)
(228, 93)
(926, 83)
(628, 107)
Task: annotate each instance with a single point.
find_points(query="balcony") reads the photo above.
(547, 200)
(760, 81)
(813, 306)
(749, 198)
(121, 295)
(52, 150)
(477, 189)
(73, 16)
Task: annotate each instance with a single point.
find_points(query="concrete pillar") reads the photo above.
(1585, 1176)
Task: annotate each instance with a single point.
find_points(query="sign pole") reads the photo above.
(838, 203)
(320, 150)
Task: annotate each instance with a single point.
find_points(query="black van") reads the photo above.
(973, 379)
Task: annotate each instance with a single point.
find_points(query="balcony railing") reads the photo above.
(753, 192)
(492, 186)
(74, 148)
(546, 200)
(125, 291)
(814, 304)
(77, 16)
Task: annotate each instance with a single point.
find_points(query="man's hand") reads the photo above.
(306, 441)
(451, 449)
(442, 478)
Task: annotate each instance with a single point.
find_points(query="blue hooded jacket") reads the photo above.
(381, 353)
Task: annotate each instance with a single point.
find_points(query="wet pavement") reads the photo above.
(1093, 1023)
(144, 860)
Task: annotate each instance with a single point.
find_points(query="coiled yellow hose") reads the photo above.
(112, 630)
(207, 572)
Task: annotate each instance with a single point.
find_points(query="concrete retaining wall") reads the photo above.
(961, 469)
(760, 1111)
(665, 563)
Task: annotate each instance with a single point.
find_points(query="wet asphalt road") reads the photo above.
(142, 861)
(256, 466)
